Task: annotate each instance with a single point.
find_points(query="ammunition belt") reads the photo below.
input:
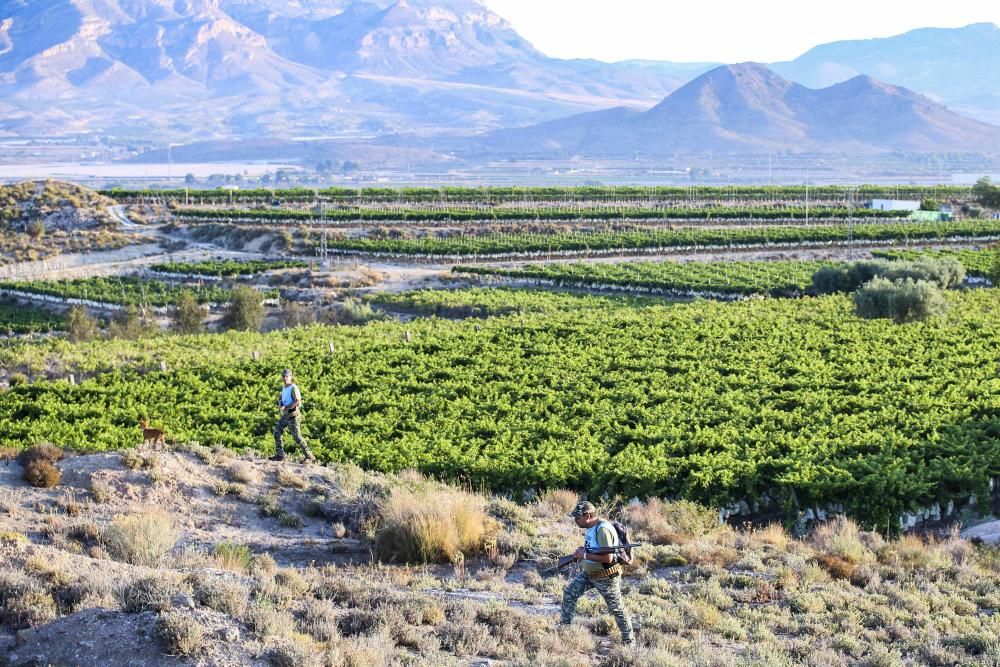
(607, 572)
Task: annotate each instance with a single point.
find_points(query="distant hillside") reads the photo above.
(749, 108)
(207, 69)
(959, 67)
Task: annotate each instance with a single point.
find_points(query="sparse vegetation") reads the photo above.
(141, 539)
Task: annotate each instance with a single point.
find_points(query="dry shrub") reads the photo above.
(265, 620)
(243, 472)
(703, 552)
(298, 651)
(228, 597)
(41, 452)
(8, 454)
(773, 534)
(841, 537)
(319, 620)
(838, 566)
(672, 522)
(466, 639)
(432, 525)
(288, 478)
(23, 601)
(911, 552)
(557, 503)
(147, 593)
(142, 539)
(514, 631)
(42, 474)
(182, 634)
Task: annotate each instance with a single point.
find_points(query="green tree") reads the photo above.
(985, 193)
(929, 205)
(902, 301)
(79, 325)
(129, 323)
(189, 316)
(245, 311)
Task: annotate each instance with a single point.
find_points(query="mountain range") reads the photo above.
(748, 108)
(204, 70)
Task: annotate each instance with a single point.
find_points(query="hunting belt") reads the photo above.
(608, 572)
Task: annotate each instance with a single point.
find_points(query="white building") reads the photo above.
(894, 205)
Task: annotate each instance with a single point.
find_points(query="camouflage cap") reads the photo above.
(583, 507)
(287, 371)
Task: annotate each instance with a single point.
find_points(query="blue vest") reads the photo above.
(288, 395)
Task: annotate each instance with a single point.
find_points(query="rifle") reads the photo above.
(600, 551)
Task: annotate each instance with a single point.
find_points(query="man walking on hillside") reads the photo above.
(289, 402)
(600, 571)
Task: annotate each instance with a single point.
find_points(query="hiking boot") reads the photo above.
(276, 457)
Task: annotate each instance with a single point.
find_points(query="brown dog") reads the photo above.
(152, 436)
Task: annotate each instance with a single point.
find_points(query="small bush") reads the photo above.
(41, 452)
(42, 474)
(287, 478)
(233, 557)
(265, 621)
(901, 301)
(181, 633)
(228, 597)
(432, 525)
(142, 539)
(841, 537)
(23, 601)
(147, 593)
(18, 380)
(243, 472)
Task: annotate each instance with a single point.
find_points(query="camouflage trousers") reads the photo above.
(610, 589)
(292, 424)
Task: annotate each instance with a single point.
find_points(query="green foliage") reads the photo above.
(901, 300)
(128, 323)
(245, 311)
(120, 290)
(661, 239)
(80, 326)
(227, 268)
(976, 262)
(929, 204)
(719, 277)
(986, 193)
(944, 272)
(18, 319)
(713, 402)
(188, 315)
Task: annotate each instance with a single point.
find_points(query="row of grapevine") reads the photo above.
(499, 245)
(227, 268)
(978, 263)
(16, 319)
(786, 277)
(122, 290)
(561, 214)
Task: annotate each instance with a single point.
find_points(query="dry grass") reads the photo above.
(841, 537)
(289, 479)
(141, 539)
(673, 522)
(556, 503)
(431, 525)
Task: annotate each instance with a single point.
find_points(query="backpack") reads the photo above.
(625, 555)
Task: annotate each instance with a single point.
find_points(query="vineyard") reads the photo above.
(499, 245)
(227, 268)
(445, 216)
(786, 277)
(976, 262)
(799, 402)
(662, 195)
(16, 319)
(121, 290)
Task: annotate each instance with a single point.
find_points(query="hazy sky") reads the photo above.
(761, 30)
